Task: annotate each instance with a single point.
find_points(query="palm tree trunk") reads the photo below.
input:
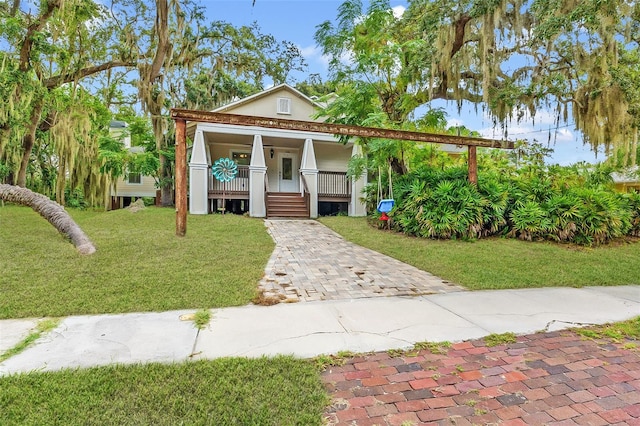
(52, 212)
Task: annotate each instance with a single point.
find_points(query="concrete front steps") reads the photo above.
(286, 204)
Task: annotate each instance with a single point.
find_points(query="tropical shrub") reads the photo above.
(633, 198)
(574, 204)
(529, 220)
(75, 198)
(452, 209)
(604, 216)
(565, 213)
(436, 203)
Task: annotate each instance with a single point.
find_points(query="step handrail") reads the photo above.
(266, 195)
(306, 194)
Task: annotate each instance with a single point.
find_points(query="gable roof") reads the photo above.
(264, 93)
(630, 175)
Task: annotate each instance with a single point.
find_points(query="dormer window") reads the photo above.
(283, 106)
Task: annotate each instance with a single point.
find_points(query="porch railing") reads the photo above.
(239, 185)
(330, 184)
(334, 185)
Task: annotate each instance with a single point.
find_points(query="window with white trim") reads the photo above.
(134, 178)
(283, 106)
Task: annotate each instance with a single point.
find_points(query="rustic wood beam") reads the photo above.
(335, 129)
(472, 164)
(181, 177)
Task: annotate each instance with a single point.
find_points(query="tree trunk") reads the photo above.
(151, 92)
(28, 141)
(166, 191)
(14, 8)
(634, 148)
(52, 212)
(398, 166)
(5, 133)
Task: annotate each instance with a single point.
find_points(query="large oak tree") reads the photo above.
(50, 50)
(64, 57)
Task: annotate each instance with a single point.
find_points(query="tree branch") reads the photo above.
(14, 8)
(162, 30)
(58, 80)
(27, 44)
(48, 122)
(458, 41)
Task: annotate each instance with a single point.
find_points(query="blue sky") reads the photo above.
(296, 21)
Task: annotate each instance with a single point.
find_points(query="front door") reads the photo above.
(288, 179)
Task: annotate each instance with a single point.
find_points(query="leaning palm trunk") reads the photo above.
(51, 211)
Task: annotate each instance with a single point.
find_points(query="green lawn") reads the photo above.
(498, 263)
(232, 391)
(140, 264)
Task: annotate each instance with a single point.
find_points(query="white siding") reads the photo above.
(332, 157)
(267, 107)
(146, 189)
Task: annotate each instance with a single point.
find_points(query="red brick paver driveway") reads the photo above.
(555, 378)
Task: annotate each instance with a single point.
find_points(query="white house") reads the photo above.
(131, 186)
(280, 172)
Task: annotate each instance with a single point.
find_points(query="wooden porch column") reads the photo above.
(473, 165)
(181, 177)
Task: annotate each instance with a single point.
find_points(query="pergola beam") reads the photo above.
(335, 129)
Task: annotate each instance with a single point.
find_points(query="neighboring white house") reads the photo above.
(280, 172)
(131, 186)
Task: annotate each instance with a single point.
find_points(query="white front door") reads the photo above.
(288, 176)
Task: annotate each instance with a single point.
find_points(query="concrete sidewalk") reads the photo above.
(313, 328)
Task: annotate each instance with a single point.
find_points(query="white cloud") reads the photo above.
(398, 11)
(347, 57)
(314, 55)
(455, 122)
(564, 135)
(309, 51)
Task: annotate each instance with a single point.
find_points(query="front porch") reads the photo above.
(334, 192)
(280, 173)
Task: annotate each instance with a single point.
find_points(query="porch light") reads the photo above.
(271, 152)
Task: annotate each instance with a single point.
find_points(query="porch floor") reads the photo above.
(311, 262)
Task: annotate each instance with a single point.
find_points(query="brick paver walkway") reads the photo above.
(555, 378)
(311, 262)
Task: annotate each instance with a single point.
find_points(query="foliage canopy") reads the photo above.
(69, 65)
(512, 58)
